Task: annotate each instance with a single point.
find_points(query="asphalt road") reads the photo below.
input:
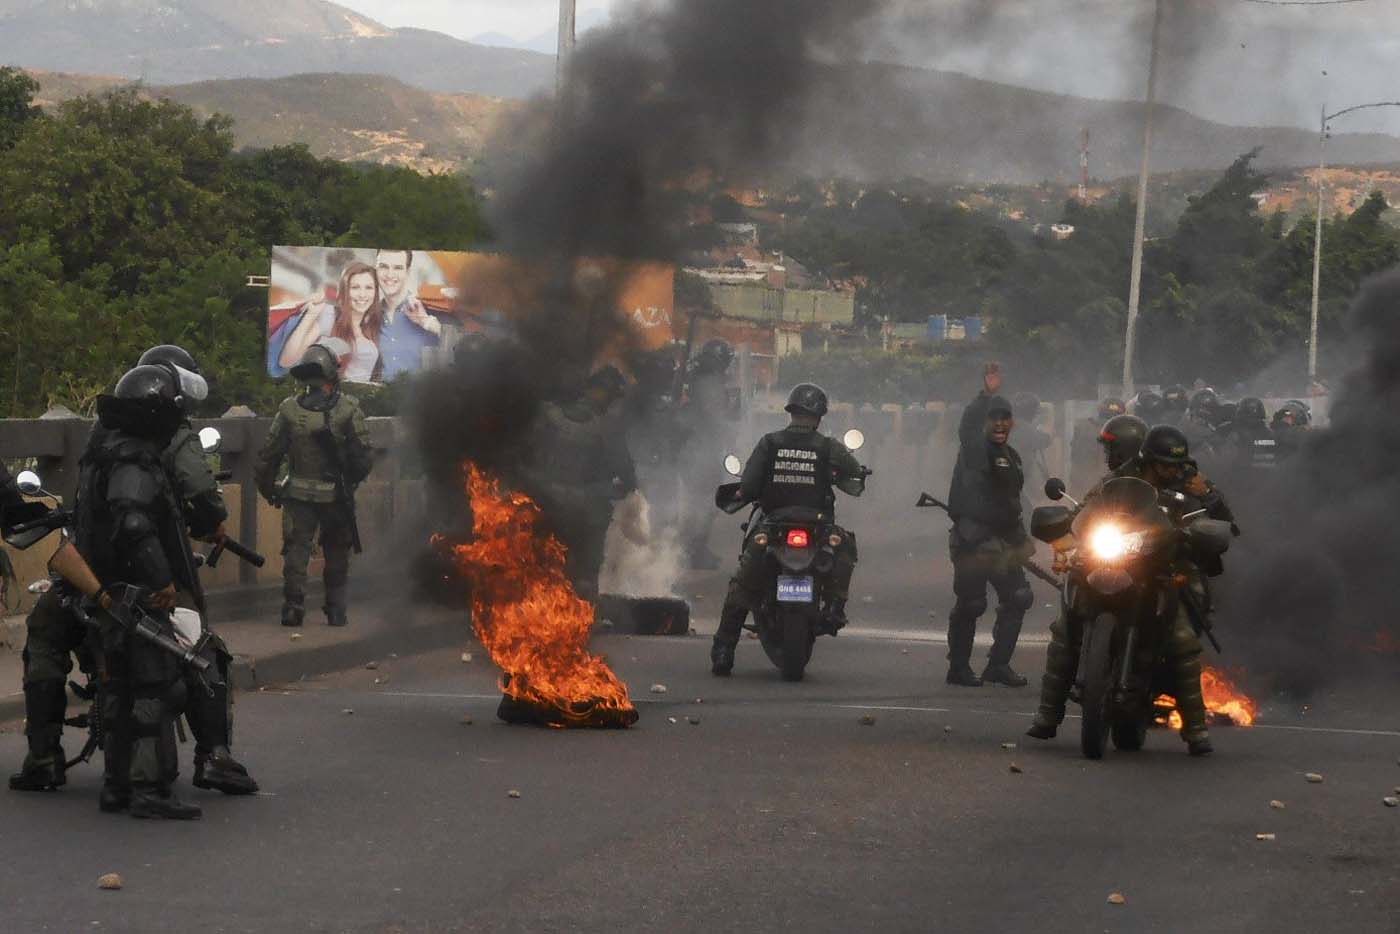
(778, 810)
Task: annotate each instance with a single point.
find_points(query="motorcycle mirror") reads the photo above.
(732, 465)
(29, 483)
(854, 439)
(1055, 489)
(210, 440)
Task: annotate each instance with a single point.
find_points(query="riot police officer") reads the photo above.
(1175, 402)
(322, 436)
(1121, 439)
(1290, 425)
(54, 634)
(1164, 461)
(988, 544)
(1252, 442)
(1033, 444)
(1149, 406)
(210, 711)
(1085, 455)
(708, 419)
(768, 481)
(129, 526)
(579, 466)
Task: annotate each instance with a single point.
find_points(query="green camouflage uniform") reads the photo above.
(1182, 650)
(307, 495)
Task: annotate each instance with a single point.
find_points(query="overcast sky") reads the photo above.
(522, 19)
(1234, 61)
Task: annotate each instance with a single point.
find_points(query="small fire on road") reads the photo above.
(530, 619)
(1225, 702)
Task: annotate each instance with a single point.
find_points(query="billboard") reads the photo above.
(401, 311)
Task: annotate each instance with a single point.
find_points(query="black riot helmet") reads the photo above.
(807, 399)
(1251, 410)
(321, 362)
(1149, 406)
(1292, 414)
(1205, 404)
(1122, 437)
(1165, 444)
(1111, 407)
(147, 401)
(715, 356)
(169, 353)
(1176, 399)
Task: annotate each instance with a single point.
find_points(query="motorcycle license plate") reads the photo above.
(796, 590)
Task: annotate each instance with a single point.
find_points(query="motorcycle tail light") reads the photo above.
(799, 538)
(834, 540)
(761, 539)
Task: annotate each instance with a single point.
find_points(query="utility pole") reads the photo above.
(1084, 168)
(1140, 233)
(568, 25)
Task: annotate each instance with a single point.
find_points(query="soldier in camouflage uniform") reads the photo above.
(322, 435)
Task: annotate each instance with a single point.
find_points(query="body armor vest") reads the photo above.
(311, 472)
(798, 472)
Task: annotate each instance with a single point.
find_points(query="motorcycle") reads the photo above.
(800, 550)
(1128, 578)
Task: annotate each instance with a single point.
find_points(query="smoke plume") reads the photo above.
(1315, 596)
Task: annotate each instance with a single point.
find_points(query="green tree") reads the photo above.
(17, 109)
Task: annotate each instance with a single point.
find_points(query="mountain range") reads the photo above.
(180, 41)
(313, 71)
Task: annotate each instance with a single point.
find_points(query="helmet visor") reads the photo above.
(192, 385)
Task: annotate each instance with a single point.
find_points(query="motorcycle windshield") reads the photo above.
(1127, 498)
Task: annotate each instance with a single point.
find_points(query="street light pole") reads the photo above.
(1140, 232)
(1317, 244)
(1317, 255)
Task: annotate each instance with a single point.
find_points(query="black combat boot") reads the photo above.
(834, 617)
(1199, 746)
(218, 770)
(960, 635)
(1042, 728)
(113, 798)
(731, 627)
(1002, 673)
(721, 659)
(292, 615)
(43, 768)
(149, 802)
(336, 616)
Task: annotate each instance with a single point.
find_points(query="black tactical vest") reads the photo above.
(798, 472)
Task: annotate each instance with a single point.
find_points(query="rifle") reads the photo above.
(1200, 621)
(133, 617)
(344, 498)
(926, 501)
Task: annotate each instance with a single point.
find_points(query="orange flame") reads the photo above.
(527, 615)
(1224, 702)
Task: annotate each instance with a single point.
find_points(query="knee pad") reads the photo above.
(970, 607)
(1022, 600)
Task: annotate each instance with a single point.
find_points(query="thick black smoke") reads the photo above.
(1316, 599)
(673, 93)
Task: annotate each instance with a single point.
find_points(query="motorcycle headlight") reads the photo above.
(1109, 543)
